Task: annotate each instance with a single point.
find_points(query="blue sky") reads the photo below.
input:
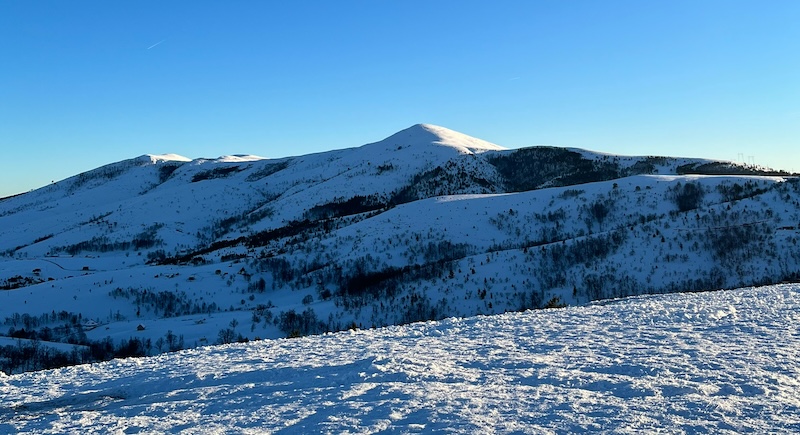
(87, 83)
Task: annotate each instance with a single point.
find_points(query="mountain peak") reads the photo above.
(426, 134)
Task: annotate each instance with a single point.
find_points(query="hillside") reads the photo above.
(719, 362)
(164, 252)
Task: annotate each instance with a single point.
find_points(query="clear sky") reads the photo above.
(86, 83)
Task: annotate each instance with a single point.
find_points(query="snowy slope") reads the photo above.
(425, 224)
(720, 362)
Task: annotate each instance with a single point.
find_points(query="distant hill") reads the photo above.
(165, 252)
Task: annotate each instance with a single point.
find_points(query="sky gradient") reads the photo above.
(87, 83)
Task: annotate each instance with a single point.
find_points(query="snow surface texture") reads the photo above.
(721, 362)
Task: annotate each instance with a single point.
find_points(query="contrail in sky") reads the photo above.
(159, 42)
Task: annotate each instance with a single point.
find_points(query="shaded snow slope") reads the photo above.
(721, 362)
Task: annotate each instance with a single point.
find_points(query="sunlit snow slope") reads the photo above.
(720, 362)
(162, 251)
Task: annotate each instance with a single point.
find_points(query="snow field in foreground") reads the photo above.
(722, 362)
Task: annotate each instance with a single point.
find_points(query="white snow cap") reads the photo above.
(426, 134)
(236, 158)
(166, 158)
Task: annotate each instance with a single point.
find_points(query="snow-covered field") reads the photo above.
(721, 362)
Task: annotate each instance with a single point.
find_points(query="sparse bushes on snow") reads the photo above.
(32, 354)
(164, 303)
(305, 323)
(221, 172)
(145, 240)
(687, 196)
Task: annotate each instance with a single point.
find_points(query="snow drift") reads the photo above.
(721, 362)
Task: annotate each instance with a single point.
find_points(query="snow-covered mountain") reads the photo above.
(163, 252)
(718, 362)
